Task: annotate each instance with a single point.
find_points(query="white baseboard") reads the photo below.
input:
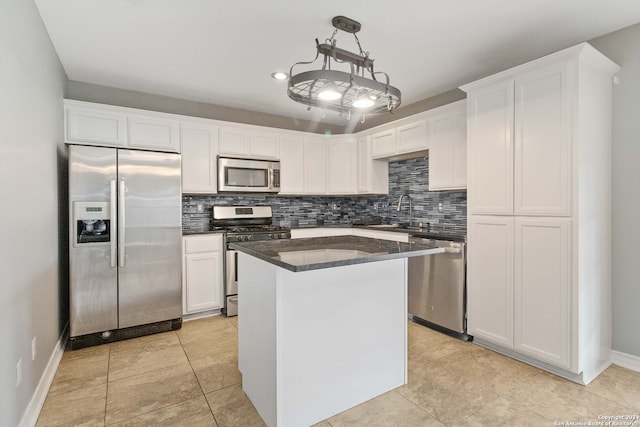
(625, 360)
(32, 412)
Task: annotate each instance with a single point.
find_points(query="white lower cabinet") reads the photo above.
(542, 287)
(490, 279)
(519, 286)
(202, 273)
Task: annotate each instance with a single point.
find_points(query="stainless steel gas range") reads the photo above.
(242, 224)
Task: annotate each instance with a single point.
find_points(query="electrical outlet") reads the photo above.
(19, 373)
(199, 208)
(439, 207)
(33, 348)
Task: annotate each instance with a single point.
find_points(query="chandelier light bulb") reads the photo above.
(329, 93)
(363, 100)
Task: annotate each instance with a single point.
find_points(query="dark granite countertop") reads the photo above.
(454, 235)
(326, 252)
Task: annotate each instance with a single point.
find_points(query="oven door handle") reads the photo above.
(232, 268)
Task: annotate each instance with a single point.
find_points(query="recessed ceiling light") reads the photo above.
(279, 75)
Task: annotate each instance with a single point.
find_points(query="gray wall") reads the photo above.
(81, 91)
(623, 47)
(32, 82)
(127, 98)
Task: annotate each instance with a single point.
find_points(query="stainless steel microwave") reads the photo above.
(236, 175)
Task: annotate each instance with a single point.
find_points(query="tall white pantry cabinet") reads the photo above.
(539, 212)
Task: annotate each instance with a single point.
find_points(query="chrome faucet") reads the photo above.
(410, 207)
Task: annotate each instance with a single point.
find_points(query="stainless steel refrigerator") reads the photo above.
(125, 243)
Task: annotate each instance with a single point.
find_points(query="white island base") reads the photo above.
(314, 343)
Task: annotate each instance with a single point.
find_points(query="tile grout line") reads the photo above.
(198, 380)
(106, 396)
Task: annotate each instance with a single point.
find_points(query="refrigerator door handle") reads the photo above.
(121, 223)
(112, 231)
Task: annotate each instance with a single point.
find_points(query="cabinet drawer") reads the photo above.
(199, 244)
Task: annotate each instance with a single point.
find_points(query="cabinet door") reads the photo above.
(264, 145)
(411, 137)
(234, 141)
(199, 162)
(154, 133)
(543, 142)
(364, 165)
(490, 149)
(490, 279)
(384, 143)
(315, 166)
(342, 163)
(542, 288)
(291, 165)
(96, 126)
(373, 175)
(203, 275)
(448, 149)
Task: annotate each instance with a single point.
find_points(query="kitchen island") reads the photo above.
(322, 323)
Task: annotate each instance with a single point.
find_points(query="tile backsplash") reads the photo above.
(405, 177)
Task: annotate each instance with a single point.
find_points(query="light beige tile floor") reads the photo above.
(190, 378)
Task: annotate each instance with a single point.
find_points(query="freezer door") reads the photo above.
(93, 275)
(149, 236)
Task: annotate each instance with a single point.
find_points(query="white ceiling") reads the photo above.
(223, 51)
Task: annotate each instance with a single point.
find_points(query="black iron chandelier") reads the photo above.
(355, 90)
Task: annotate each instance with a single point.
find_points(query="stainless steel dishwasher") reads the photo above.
(437, 287)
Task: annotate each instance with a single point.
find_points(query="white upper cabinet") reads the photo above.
(490, 149)
(264, 145)
(152, 133)
(394, 139)
(246, 142)
(447, 130)
(315, 165)
(373, 175)
(291, 164)
(234, 141)
(542, 136)
(384, 143)
(342, 165)
(411, 137)
(95, 125)
(110, 126)
(520, 144)
(199, 157)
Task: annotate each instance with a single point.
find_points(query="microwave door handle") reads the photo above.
(113, 222)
